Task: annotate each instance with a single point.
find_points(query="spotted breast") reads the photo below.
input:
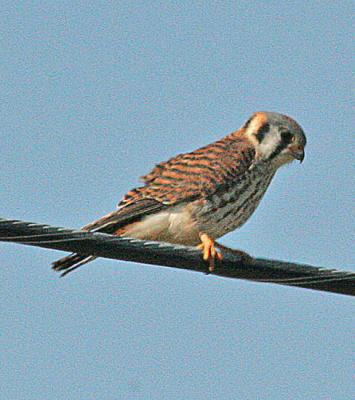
(228, 209)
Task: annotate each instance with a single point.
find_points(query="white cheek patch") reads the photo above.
(267, 146)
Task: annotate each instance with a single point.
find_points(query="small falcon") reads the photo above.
(195, 198)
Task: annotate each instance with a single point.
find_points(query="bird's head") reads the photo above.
(277, 138)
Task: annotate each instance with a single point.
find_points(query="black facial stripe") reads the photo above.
(262, 132)
(278, 150)
(247, 123)
(286, 139)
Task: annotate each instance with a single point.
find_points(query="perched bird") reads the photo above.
(197, 197)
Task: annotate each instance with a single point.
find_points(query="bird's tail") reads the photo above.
(70, 263)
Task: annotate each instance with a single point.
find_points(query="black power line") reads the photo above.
(183, 257)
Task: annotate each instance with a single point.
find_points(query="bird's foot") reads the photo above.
(209, 252)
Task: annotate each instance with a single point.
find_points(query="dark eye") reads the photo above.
(287, 136)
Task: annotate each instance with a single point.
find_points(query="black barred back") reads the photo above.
(197, 174)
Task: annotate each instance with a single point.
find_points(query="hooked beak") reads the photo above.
(297, 152)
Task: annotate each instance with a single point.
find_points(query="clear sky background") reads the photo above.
(92, 95)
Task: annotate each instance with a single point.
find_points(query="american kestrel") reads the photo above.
(195, 198)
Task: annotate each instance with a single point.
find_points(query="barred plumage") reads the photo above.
(199, 196)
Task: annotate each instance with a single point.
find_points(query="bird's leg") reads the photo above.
(240, 253)
(209, 251)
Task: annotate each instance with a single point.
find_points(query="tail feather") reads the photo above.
(73, 261)
(70, 263)
(110, 224)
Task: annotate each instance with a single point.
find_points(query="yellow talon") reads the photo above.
(209, 252)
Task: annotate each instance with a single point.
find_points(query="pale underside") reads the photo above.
(216, 215)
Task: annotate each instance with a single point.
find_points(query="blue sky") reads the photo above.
(92, 96)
